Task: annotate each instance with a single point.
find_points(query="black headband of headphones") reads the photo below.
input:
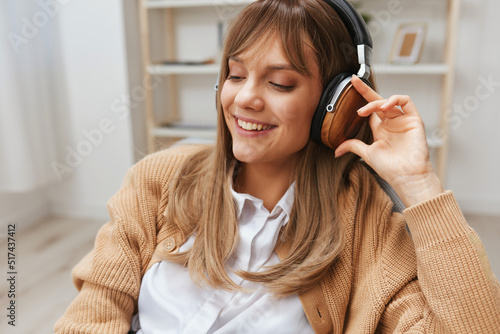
(358, 31)
(353, 21)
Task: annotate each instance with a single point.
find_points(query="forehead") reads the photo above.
(269, 50)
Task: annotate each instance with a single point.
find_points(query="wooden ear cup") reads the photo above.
(343, 123)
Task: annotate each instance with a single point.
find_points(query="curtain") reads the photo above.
(30, 93)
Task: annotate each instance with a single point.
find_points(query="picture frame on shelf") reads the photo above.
(408, 43)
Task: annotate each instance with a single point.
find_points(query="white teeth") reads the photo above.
(252, 126)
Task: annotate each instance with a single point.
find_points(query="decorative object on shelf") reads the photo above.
(408, 43)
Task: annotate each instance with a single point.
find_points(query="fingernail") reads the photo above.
(385, 105)
(339, 154)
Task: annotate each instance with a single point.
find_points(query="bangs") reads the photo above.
(261, 21)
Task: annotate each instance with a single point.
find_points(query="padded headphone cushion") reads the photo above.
(344, 123)
(319, 114)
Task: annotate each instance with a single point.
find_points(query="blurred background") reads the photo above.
(88, 88)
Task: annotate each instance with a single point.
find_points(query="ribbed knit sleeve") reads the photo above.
(456, 291)
(109, 277)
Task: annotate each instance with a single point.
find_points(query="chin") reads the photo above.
(245, 154)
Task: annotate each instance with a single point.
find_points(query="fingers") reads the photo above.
(403, 101)
(381, 109)
(355, 146)
(395, 106)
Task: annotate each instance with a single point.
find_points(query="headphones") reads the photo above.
(335, 119)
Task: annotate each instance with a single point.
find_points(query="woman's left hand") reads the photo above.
(399, 153)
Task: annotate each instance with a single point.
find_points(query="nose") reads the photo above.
(250, 96)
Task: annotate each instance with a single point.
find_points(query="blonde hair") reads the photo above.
(201, 202)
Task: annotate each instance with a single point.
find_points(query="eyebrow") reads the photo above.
(273, 67)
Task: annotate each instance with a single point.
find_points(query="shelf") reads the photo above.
(194, 3)
(423, 69)
(185, 132)
(182, 69)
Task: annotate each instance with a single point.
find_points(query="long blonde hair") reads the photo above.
(201, 202)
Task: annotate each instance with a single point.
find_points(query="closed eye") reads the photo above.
(282, 87)
(235, 78)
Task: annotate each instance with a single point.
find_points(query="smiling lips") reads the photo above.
(249, 126)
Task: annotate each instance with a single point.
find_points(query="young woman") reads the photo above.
(270, 232)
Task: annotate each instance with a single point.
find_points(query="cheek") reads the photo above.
(300, 113)
(310, 107)
(225, 102)
(299, 117)
(226, 95)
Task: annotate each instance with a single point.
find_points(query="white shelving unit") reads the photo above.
(176, 129)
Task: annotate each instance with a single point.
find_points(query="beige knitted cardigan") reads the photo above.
(438, 280)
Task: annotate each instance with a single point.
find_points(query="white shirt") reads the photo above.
(169, 301)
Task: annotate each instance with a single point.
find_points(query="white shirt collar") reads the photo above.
(285, 203)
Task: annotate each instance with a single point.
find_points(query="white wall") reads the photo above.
(100, 150)
(474, 157)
